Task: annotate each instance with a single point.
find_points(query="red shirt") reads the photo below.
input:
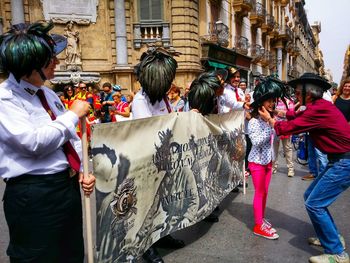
(326, 125)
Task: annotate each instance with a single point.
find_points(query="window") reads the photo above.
(151, 10)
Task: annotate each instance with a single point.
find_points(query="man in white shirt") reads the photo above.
(39, 149)
(233, 97)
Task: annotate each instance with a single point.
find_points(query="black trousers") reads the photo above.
(44, 217)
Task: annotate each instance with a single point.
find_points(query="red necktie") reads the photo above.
(238, 98)
(68, 149)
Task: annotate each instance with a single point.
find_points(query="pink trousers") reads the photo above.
(261, 176)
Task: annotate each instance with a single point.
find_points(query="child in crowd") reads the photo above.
(261, 155)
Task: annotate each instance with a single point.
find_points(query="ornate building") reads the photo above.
(346, 67)
(107, 37)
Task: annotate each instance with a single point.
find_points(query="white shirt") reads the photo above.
(260, 134)
(228, 100)
(142, 107)
(30, 142)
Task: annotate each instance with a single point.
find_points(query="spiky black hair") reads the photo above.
(202, 92)
(270, 87)
(156, 72)
(26, 47)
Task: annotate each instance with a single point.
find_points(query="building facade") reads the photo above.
(109, 36)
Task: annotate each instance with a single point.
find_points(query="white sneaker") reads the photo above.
(316, 242)
(330, 258)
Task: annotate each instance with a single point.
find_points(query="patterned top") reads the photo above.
(260, 133)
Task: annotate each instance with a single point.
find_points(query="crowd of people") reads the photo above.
(39, 138)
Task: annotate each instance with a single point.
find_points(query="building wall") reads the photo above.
(188, 22)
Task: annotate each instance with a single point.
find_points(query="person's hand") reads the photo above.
(80, 108)
(87, 183)
(184, 223)
(246, 105)
(264, 114)
(280, 113)
(195, 110)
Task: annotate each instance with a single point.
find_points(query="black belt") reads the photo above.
(35, 178)
(338, 156)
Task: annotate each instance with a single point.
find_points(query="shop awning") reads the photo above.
(217, 64)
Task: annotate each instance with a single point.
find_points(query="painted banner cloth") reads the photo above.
(157, 175)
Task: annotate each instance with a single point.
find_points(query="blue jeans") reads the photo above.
(317, 160)
(322, 192)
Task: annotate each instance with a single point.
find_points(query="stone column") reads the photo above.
(17, 11)
(120, 33)
(279, 62)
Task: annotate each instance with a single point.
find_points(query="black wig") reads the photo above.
(26, 47)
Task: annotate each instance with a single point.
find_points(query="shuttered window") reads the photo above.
(150, 10)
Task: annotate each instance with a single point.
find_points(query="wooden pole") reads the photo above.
(87, 198)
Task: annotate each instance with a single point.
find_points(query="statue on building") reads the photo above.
(73, 51)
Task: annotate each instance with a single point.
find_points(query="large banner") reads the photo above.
(157, 175)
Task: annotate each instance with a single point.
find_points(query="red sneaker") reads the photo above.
(268, 225)
(264, 231)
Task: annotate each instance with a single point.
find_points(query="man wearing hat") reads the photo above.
(39, 151)
(233, 97)
(330, 132)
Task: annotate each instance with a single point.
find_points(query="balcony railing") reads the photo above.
(241, 45)
(270, 21)
(285, 32)
(259, 9)
(257, 52)
(269, 24)
(151, 32)
(220, 32)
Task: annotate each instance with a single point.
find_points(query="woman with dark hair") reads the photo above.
(177, 104)
(261, 154)
(342, 98)
(69, 96)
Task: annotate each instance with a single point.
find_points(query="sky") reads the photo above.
(335, 31)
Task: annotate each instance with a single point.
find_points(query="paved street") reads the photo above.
(231, 239)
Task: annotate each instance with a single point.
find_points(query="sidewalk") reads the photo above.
(231, 239)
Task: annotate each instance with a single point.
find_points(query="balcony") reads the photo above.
(285, 33)
(275, 31)
(292, 71)
(145, 33)
(242, 7)
(269, 24)
(293, 49)
(218, 34)
(269, 59)
(241, 45)
(257, 53)
(258, 15)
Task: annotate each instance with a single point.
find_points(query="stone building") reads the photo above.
(108, 36)
(346, 66)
